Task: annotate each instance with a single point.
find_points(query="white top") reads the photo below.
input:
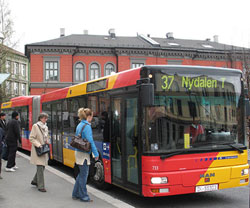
(81, 157)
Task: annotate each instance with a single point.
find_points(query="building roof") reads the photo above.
(139, 41)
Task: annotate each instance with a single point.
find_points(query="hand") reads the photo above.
(96, 158)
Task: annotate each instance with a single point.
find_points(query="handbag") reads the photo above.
(80, 143)
(42, 150)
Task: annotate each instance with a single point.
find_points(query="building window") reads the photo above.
(108, 69)
(94, 71)
(23, 89)
(8, 87)
(16, 68)
(8, 70)
(51, 71)
(23, 70)
(79, 72)
(16, 89)
(136, 65)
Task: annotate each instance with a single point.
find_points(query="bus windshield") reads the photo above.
(191, 111)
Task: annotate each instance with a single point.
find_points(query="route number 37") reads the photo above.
(167, 82)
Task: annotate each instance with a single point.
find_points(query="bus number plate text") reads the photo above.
(213, 187)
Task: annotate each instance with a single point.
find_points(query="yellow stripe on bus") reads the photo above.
(226, 170)
(81, 89)
(6, 105)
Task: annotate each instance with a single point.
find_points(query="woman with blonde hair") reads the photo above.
(83, 158)
(38, 137)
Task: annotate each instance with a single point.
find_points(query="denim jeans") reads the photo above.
(80, 189)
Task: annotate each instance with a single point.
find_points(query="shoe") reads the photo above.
(15, 167)
(9, 169)
(90, 200)
(42, 190)
(33, 183)
(1, 177)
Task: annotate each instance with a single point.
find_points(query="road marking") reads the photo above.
(105, 197)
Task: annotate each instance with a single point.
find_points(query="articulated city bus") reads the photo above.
(28, 109)
(160, 130)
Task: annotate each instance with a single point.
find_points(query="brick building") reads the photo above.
(72, 59)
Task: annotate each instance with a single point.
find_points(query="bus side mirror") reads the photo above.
(247, 107)
(147, 94)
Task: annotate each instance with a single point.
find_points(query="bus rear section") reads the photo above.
(192, 131)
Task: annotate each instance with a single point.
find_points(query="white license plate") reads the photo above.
(213, 187)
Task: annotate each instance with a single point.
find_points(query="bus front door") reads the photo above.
(124, 141)
(57, 142)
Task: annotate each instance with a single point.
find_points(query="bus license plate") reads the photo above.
(213, 187)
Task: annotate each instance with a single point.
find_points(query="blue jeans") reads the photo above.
(80, 189)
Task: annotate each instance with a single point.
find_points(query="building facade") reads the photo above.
(71, 59)
(16, 64)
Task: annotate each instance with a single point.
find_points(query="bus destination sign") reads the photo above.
(98, 85)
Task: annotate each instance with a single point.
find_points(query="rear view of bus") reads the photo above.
(193, 135)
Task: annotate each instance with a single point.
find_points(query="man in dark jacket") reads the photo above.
(1, 146)
(12, 136)
(3, 121)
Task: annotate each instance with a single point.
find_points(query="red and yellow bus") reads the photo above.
(160, 130)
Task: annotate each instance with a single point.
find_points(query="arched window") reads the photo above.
(79, 72)
(94, 71)
(109, 68)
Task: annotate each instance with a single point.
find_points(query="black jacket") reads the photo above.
(3, 125)
(1, 141)
(13, 132)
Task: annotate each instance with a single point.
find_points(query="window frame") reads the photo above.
(51, 59)
(99, 70)
(105, 69)
(84, 72)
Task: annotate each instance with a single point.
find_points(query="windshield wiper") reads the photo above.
(179, 152)
(216, 143)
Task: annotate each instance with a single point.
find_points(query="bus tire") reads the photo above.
(98, 177)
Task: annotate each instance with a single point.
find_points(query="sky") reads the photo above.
(41, 20)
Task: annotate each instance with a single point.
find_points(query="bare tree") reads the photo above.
(6, 44)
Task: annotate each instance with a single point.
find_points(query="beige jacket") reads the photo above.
(37, 138)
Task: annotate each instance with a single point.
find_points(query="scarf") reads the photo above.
(43, 127)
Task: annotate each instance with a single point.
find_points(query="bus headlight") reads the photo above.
(159, 180)
(244, 172)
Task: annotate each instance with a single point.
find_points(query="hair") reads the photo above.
(83, 113)
(2, 114)
(42, 115)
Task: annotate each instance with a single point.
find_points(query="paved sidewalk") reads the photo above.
(17, 192)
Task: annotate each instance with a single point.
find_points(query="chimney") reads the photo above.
(170, 35)
(112, 32)
(62, 32)
(85, 32)
(216, 38)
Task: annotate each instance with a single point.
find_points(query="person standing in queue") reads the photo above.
(12, 137)
(1, 146)
(83, 158)
(3, 121)
(39, 136)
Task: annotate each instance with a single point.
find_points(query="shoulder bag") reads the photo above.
(80, 143)
(44, 149)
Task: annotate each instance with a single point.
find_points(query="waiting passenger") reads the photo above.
(38, 137)
(83, 158)
(13, 135)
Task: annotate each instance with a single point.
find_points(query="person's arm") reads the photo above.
(89, 137)
(33, 135)
(16, 130)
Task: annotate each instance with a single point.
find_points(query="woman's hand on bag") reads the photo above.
(96, 158)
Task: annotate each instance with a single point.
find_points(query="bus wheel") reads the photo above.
(98, 176)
